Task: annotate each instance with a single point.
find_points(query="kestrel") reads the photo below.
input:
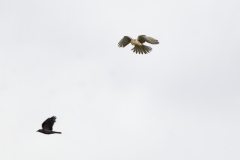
(138, 43)
(48, 125)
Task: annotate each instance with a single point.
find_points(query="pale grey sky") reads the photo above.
(60, 58)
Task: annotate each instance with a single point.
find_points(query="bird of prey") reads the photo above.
(47, 126)
(138, 43)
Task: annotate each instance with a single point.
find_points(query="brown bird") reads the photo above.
(138, 43)
(47, 126)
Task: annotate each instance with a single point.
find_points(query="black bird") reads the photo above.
(48, 125)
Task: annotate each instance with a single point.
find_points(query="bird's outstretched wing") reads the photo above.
(124, 41)
(48, 123)
(143, 38)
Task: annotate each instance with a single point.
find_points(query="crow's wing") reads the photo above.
(124, 41)
(143, 38)
(48, 123)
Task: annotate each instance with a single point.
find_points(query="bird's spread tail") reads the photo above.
(141, 49)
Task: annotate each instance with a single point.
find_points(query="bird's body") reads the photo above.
(47, 126)
(138, 43)
(135, 42)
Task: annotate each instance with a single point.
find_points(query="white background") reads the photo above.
(179, 102)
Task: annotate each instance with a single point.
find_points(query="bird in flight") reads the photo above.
(47, 126)
(138, 43)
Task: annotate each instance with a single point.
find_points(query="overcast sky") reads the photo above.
(179, 102)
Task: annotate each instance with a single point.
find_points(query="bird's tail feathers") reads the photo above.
(142, 49)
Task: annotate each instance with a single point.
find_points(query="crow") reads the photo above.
(48, 125)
